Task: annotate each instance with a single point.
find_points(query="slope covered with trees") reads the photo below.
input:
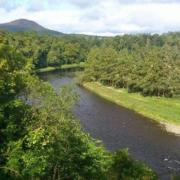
(139, 63)
(46, 50)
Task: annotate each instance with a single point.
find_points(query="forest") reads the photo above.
(46, 50)
(143, 63)
(39, 135)
(119, 61)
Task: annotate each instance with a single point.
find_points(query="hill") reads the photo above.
(24, 25)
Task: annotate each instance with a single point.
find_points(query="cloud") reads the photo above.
(102, 17)
(9, 5)
(82, 3)
(147, 1)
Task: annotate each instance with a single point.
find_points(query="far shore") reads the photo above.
(63, 67)
(160, 109)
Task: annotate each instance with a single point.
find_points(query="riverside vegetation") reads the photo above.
(143, 75)
(39, 136)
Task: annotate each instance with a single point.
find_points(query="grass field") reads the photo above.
(63, 67)
(161, 109)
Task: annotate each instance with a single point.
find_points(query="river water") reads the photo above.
(118, 127)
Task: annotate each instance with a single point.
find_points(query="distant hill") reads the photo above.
(24, 25)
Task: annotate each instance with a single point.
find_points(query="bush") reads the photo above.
(124, 167)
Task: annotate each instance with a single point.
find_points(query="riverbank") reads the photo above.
(165, 111)
(63, 67)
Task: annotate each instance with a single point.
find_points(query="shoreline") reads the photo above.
(141, 105)
(63, 67)
(172, 128)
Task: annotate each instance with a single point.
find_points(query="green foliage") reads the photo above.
(125, 167)
(146, 64)
(46, 50)
(12, 72)
(39, 136)
(175, 177)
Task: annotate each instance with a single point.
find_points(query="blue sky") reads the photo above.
(101, 17)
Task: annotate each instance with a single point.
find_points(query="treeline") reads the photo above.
(144, 63)
(46, 50)
(39, 136)
(139, 63)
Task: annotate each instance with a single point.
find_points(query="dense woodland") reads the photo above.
(149, 64)
(46, 50)
(139, 63)
(39, 136)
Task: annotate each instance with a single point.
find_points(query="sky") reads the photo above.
(97, 17)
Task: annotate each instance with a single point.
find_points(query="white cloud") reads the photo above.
(105, 17)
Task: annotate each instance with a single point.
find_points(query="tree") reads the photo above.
(71, 53)
(125, 167)
(39, 136)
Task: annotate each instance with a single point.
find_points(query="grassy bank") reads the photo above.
(63, 67)
(163, 110)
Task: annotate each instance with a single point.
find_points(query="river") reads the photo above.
(118, 127)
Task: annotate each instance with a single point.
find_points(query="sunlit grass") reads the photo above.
(157, 108)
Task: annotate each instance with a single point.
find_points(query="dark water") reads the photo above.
(119, 127)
